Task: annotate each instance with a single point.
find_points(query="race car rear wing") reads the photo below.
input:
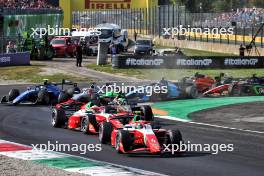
(67, 82)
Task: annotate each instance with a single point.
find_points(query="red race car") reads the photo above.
(63, 46)
(142, 136)
(220, 88)
(90, 117)
(203, 82)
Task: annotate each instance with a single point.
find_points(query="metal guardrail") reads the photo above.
(151, 22)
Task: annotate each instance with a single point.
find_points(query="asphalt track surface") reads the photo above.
(31, 125)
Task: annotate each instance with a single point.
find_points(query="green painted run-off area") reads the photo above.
(181, 108)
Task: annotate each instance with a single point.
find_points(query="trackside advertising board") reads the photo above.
(178, 62)
(15, 59)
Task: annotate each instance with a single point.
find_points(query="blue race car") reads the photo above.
(167, 90)
(48, 93)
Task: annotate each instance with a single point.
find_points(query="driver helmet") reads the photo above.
(46, 81)
(95, 99)
(122, 101)
(110, 94)
(137, 118)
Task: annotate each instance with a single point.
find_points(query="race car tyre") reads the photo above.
(86, 121)
(123, 138)
(105, 130)
(85, 125)
(174, 137)
(73, 90)
(191, 92)
(43, 97)
(58, 118)
(148, 114)
(13, 93)
(63, 97)
(234, 90)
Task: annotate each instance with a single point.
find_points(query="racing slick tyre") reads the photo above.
(234, 90)
(105, 130)
(86, 121)
(63, 97)
(13, 93)
(43, 97)
(73, 90)
(191, 92)
(174, 137)
(123, 138)
(148, 114)
(58, 118)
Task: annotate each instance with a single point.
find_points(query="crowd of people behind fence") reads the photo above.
(244, 18)
(25, 4)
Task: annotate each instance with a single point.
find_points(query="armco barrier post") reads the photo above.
(102, 53)
(115, 61)
(262, 32)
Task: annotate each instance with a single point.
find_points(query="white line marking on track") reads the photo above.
(32, 154)
(210, 125)
(124, 170)
(106, 170)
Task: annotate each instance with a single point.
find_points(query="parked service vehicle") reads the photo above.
(143, 47)
(63, 46)
(47, 93)
(109, 32)
(122, 41)
(113, 34)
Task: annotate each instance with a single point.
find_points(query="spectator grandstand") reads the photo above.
(244, 18)
(26, 4)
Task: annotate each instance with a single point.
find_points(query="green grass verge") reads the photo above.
(123, 72)
(174, 74)
(32, 74)
(193, 52)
